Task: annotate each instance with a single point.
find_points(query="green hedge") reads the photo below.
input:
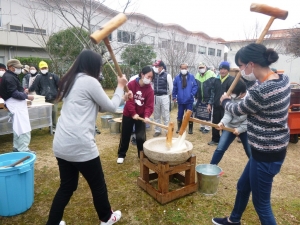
(110, 79)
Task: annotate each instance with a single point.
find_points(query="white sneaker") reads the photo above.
(120, 160)
(115, 217)
(62, 223)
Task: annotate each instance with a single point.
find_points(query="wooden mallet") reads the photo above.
(170, 129)
(275, 13)
(102, 34)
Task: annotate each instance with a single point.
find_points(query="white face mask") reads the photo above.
(146, 81)
(183, 72)
(249, 77)
(18, 71)
(233, 96)
(33, 71)
(202, 70)
(44, 71)
(155, 69)
(1, 73)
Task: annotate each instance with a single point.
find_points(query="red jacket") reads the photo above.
(142, 102)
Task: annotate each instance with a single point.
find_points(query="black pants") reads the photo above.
(69, 173)
(140, 135)
(218, 113)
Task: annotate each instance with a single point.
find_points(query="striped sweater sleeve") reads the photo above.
(267, 108)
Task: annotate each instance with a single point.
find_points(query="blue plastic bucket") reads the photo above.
(16, 183)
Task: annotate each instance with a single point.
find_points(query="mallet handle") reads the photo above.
(157, 124)
(185, 121)
(258, 41)
(210, 124)
(170, 134)
(265, 31)
(112, 55)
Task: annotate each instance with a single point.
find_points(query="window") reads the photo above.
(150, 40)
(191, 48)
(179, 45)
(15, 28)
(219, 52)
(40, 31)
(126, 37)
(202, 50)
(28, 30)
(211, 51)
(163, 43)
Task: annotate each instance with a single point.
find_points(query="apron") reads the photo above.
(201, 111)
(21, 122)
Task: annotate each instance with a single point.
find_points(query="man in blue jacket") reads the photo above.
(184, 89)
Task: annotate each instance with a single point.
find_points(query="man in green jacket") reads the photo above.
(205, 95)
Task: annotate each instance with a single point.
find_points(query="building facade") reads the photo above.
(274, 39)
(25, 26)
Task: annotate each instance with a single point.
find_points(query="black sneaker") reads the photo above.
(212, 143)
(133, 141)
(205, 131)
(201, 129)
(223, 221)
(156, 134)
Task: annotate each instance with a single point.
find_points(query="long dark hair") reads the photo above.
(87, 62)
(256, 53)
(145, 70)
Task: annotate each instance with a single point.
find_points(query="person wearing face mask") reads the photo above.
(266, 106)
(205, 95)
(14, 96)
(163, 87)
(184, 89)
(142, 105)
(239, 123)
(29, 78)
(221, 85)
(25, 70)
(46, 84)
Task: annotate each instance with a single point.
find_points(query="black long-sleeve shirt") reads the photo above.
(11, 87)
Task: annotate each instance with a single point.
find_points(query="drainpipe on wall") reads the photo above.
(9, 52)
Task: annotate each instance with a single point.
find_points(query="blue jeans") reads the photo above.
(256, 178)
(182, 108)
(225, 140)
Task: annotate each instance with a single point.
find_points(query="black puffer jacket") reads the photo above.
(46, 85)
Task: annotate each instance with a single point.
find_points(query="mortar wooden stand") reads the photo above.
(164, 172)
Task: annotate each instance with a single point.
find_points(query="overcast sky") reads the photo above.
(228, 19)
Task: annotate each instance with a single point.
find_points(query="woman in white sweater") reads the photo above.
(74, 145)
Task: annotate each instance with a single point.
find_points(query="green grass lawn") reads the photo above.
(137, 206)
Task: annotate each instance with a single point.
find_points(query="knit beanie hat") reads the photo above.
(224, 65)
